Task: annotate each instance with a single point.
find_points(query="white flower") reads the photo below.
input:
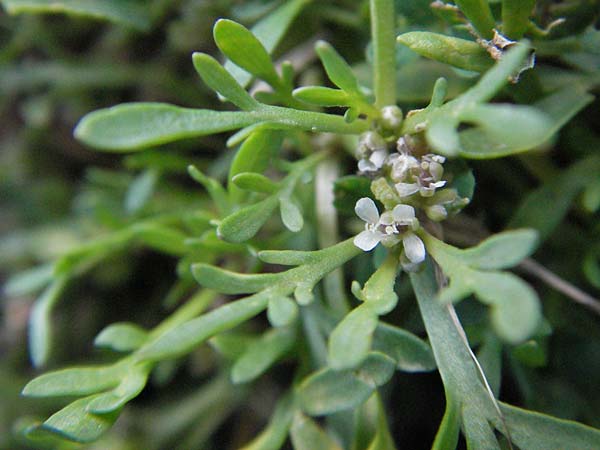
(389, 228)
(425, 176)
(402, 163)
(374, 162)
(369, 238)
(372, 152)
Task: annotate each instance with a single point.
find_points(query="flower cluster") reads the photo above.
(409, 177)
(390, 228)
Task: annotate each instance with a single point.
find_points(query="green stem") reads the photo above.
(383, 19)
(515, 17)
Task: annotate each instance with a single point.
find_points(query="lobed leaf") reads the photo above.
(76, 424)
(254, 182)
(478, 12)
(411, 353)
(338, 70)
(246, 222)
(254, 155)
(516, 310)
(228, 282)
(122, 337)
(132, 383)
(328, 391)
(535, 431)
(135, 126)
(238, 44)
(291, 216)
(350, 341)
(218, 79)
(321, 96)
(461, 53)
(40, 322)
(515, 17)
(269, 31)
(501, 250)
(378, 291)
(140, 191)
(74, 381)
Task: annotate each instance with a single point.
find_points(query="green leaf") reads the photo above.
(515, 17)
(478, 12)
(161, 237)
(274, 435)
(135, 126)
(74, 381)
(245, 223)
(461, 53)
(411, 353)
(291, 216)
(379, 292)
(254, 182)
(131, 13)
(238, 44)
(228, 282)
(338, 70)
(213, 187)
(529, 128)
(254, 155)
(185, 337)
(260, 355)
(76, 424)
(282, 311)
(40, 321)
(307, 435)
(350, 341)
(516, 310)
(218, 79)
(269, 31)
(29, 281)
(328, 390)
(321, 96)
(501, 250)
(122, 337)
(130, 386)
(534, 431)
(288, 257)
(140, 190)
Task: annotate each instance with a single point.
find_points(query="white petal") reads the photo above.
(406, 189)
(413, 248)
(378, 157)
(365, 209)
(438, 184)
(367, 240)
(364, 165)
(403, 213)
